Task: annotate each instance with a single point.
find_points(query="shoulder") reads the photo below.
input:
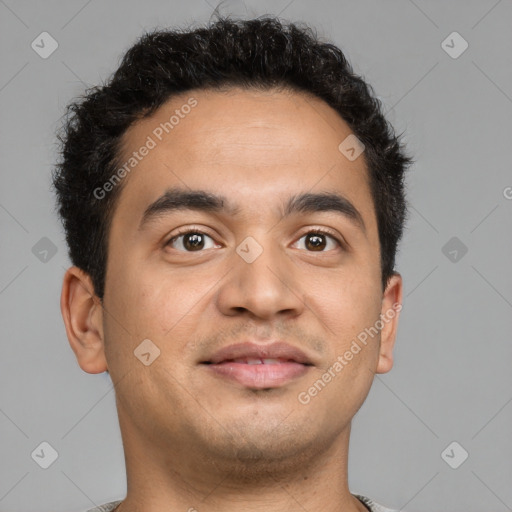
(372, 505)
(107, 507)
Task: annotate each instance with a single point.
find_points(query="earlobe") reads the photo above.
(390, 311)
(83, 318)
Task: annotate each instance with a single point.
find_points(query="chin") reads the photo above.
(253, 447)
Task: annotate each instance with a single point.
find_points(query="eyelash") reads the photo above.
(320, 231)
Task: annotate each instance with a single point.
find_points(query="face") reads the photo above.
(251, 267)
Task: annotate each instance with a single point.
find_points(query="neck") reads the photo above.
(178, 478)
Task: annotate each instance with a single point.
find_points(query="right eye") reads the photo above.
(189, 241)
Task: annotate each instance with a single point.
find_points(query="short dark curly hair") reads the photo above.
(260, 53)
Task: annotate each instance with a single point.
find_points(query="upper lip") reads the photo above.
(275, 350)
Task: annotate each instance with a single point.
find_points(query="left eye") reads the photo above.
(317, 240)
(193, 241)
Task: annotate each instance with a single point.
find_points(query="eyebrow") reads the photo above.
(175, 199)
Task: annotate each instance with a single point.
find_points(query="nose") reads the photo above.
(262, 283)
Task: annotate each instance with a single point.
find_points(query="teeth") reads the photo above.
(271, 361)
(254, 361)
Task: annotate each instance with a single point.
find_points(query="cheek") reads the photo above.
(347, 304)
(166, 306)
(143, 307)
(351, 314)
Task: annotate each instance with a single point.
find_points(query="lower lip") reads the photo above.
(259, 376)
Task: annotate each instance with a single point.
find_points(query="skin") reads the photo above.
(193, 440)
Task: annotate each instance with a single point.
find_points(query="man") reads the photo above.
(233, 200)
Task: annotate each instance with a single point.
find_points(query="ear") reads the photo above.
(83, 317)
(390, 311)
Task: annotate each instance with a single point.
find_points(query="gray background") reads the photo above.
(452, 378)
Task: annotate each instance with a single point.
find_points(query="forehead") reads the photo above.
(256, 147)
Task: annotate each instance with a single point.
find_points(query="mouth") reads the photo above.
(259, 366)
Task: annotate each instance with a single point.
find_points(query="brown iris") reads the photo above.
(315, 241)
(193, 241)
